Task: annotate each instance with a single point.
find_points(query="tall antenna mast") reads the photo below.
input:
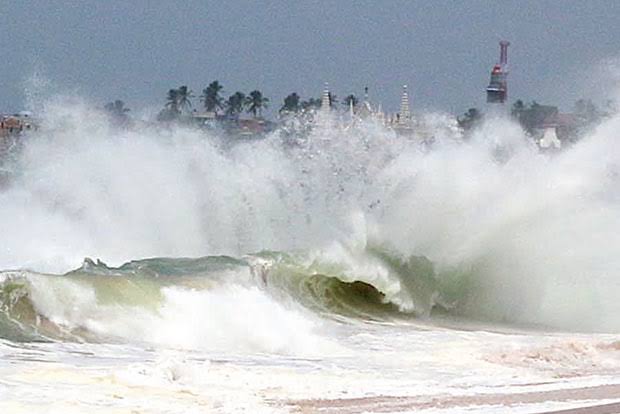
(503, 54)
(497, 91)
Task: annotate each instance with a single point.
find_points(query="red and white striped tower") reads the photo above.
(497, 91)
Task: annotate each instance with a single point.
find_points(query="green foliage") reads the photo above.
(235, 104)
(311, 103)
(184, 95)
(172, 100)
(350, 100)
(291, 103)
(255, 102)
(177, 100)
(517, 109)
(171, 109)
(470, 119)
(533, 116)
(333, 99)
(211, 97)
(586, 111)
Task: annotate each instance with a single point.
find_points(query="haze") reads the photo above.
(136, 51)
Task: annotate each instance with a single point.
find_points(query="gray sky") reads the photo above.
(137, 50)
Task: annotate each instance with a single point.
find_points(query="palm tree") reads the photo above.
(469, 119)
(235, 104)
(585, 109)
(333, 99)
(256, 102)
(517, 107)
(211, 97)
(291, 103)
(350, 100)
(172, 101)
(183, 96)
(176, 101)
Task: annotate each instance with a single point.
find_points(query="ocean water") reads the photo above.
(167, 270)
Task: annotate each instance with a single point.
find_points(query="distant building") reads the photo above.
(549, 139)
(364, 109)
(254, 127)
(205, 119)
(555, 129)
(232, 125)
(14, 124)
(326, 101)
(497, 91)
(12, 127)
(9, 125)
(403, 123)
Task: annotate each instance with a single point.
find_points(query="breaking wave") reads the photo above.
(353, 223)
(143, 301)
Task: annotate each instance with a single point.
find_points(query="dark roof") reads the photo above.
(559, 120)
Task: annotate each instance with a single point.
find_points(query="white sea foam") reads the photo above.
(230, 319)
(533, 235)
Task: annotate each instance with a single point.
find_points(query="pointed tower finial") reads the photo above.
(325, 99)
(404, 114)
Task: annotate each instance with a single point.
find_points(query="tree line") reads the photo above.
(531, 116)
(179, 102)
(293, 103)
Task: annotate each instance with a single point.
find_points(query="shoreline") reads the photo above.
(392, 404)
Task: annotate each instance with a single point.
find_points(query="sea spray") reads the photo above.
(511, 234)
(197, 312)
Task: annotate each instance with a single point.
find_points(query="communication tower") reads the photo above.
(497, 91)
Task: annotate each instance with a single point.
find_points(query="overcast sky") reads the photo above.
(137, 50)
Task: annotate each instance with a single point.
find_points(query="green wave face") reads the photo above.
(47, 307)
(37, 306)
(92, 302)
(18, 318)
(385, 288)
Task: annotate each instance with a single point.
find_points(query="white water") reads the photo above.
(380, 361)
(235, 318)
(538, 232)
(534, 236)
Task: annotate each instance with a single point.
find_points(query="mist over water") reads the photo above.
(488, 228)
